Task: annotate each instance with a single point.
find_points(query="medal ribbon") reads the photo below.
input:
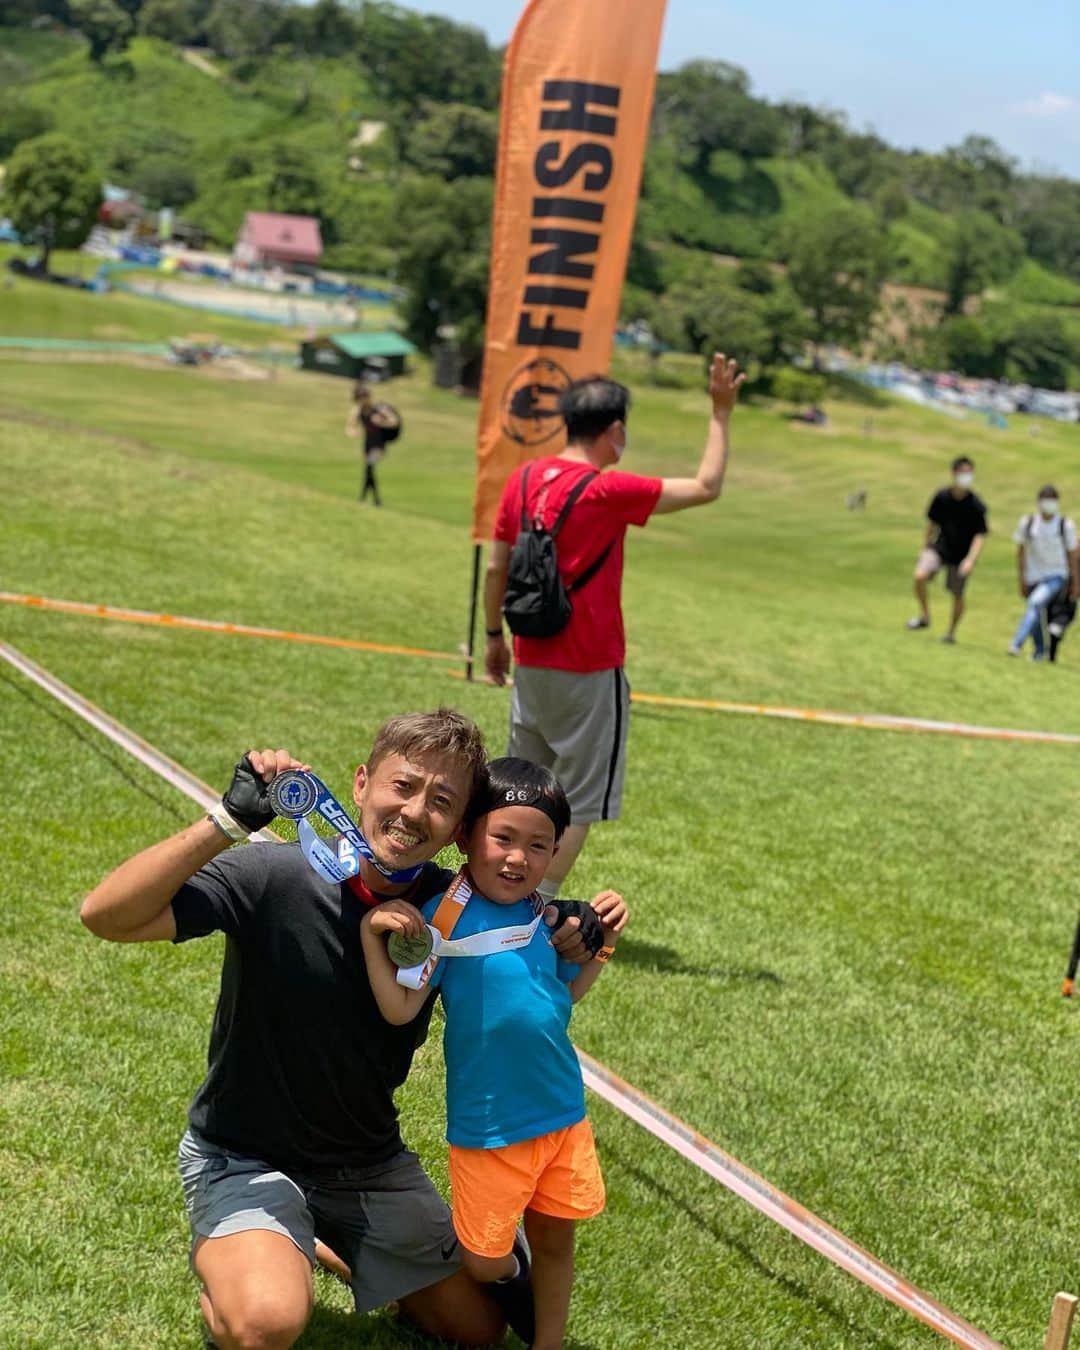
(298, 796)
(443, 921)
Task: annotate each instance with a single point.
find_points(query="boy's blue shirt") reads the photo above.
(511, 1071)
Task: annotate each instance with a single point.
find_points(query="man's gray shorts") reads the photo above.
(388, 1223)
(576, 726)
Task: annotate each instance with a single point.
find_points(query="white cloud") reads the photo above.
(1047, 104)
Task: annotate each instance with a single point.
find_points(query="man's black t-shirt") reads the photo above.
(302, 1067)
(958, 522)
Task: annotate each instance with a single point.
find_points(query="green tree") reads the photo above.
(21, 122)
(798, 386)
(51, 193)
(295, 185)
(643, 263)
(165, 181)
(239, 29)
(861, 164)
(322, 29)
(412, 57)
(177, 21)
(979, 251)
(787, 324)
(986, 172)
(836, 264)
(966, 345)
(453, 140)
(1048, 219)
(443, 258)
(755, 276)
(706, 311)
(707, 105)
(105, 25)
(891, 201)
(1040, 351)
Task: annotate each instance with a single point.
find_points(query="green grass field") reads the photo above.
(846, 946)
(38, 309)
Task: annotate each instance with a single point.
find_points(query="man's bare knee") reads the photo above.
(258, 1285)
(267, 1326)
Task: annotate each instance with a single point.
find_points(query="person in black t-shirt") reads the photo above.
(956, 532)
(293, 1136)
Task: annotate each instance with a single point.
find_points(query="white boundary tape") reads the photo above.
(685, 1141)
(115, 731)
(773, 1203)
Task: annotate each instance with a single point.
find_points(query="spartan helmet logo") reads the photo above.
(530, 402)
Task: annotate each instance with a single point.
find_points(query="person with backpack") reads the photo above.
(381, 424)
(1047, 561)
(555, 571)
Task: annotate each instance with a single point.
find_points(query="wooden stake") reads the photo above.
(1061, 1320)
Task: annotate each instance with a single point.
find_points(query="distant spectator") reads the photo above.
(956, 532)
(381, 425)
(1046, 558)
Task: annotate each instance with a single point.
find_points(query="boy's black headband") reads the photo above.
(492, 798)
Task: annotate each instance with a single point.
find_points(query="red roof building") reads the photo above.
(267, 239)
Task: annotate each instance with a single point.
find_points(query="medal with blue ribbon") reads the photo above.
(298, 796)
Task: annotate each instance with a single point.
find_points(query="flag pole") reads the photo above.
(471, 636)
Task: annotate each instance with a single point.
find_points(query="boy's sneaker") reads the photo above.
(515, 1296)
(950, 639)
(913, 625)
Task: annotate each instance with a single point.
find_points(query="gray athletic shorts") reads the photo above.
(388, 1223)
(576, 726)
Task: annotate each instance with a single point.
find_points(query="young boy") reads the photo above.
(519, 1139)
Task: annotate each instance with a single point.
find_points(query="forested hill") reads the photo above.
(382, 122)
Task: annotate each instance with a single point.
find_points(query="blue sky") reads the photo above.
(921, 73)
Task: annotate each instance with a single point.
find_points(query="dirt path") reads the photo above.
(195, 58)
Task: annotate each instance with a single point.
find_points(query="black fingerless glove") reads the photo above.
(592, 930)
(247, 800)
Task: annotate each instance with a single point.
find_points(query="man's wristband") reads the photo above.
(494, 632)
(230, 828)
(604, 954)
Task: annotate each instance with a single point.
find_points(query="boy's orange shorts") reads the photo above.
(556, 1174)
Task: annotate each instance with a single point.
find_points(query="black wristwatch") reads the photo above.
(493, 632)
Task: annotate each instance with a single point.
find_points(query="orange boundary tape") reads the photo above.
(863, 721)
(215, 626)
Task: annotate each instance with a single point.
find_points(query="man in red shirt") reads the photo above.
(570, 702)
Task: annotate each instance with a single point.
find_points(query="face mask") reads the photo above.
(1048, 506)
(964, 480)
(620, 450)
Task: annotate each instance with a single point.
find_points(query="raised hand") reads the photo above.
(246, 799)
(725, 381)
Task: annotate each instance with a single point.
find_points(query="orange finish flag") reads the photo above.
(576, 98)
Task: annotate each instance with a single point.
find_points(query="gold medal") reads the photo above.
(409, 951)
